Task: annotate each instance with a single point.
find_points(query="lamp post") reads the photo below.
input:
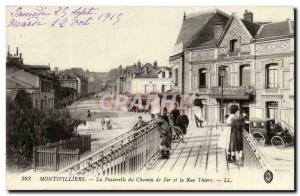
(222, 72)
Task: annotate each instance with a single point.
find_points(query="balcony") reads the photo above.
(233, 92)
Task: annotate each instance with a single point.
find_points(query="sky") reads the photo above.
(145, 33)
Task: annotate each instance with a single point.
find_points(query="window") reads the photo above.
(271, 76)
(245, 75)
(163, 74)
(145, 89)
(272, 109)
(163, 88)
(176, 77)
(202, 78)
(233, 45)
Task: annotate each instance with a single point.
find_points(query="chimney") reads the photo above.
(139, 64)
(184, 16)
(248, 16)
(155, 64)
(17, 51)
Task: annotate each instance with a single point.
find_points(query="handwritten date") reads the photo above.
(59, 17)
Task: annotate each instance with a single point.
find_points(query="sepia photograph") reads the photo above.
(150, 98)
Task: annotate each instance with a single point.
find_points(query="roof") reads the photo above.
(152, 71)
(197, 30)
(12, 83)
(46, 67)
(276, 29)
(14, 62)
(251, 27)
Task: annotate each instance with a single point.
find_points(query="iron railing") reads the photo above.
(127, 153)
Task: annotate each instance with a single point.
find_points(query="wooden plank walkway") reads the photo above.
(198, 153)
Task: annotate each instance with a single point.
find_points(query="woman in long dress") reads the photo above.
(236, 136)
(224, 140)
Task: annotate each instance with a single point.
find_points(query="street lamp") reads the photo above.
(222, 72)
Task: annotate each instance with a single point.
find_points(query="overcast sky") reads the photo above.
(142, 33)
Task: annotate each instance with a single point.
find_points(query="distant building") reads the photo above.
(37, 80)
(69, 80)
(138, 79)
(96, 81)
(78, 82)
(258, 60)
(111, 79)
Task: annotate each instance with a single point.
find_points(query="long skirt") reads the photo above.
(224, 139)
(236, 139)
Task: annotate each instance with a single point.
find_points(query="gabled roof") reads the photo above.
(195, 31)
(276, 29)
(251, 27)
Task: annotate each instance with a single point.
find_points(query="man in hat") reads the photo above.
(182, 121)
(140, 123)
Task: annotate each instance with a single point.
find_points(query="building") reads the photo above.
(258, 59)
(138, 79)
(111, 80)
(37, 80)
(77, 81)
(68, 80)
(96, 81)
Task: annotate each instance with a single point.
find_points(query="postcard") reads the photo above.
(150, 98)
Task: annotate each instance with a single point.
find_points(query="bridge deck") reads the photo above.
(198, 152)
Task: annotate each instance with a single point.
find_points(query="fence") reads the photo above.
(58, 155)
(126, 154)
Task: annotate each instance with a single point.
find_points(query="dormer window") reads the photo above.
(233, 45)
(163, 74)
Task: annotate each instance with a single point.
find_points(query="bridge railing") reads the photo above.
(127, 153)
(253, 157)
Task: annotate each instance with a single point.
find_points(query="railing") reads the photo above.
(58, 155)
(233, 91)
(253, 157)
(127, 153)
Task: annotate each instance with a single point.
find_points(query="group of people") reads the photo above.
(231, 138)
(172, 126)
(105, 122)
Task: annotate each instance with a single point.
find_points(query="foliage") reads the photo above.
(27, 127)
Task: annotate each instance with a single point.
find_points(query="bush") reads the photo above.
(27, 127)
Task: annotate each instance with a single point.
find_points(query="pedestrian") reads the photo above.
(236, 136)
(175, 113)
(102, 123)
(224, 139)
(108, 123)
(165, 116)
(152, 116)
(182, 121)
(166, 138)
(139, 124)
(89, 115)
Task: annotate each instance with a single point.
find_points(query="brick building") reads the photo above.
(259, 62)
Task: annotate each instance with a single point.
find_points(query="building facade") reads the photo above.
(35, 80)
(145, 79)
(258, 59)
